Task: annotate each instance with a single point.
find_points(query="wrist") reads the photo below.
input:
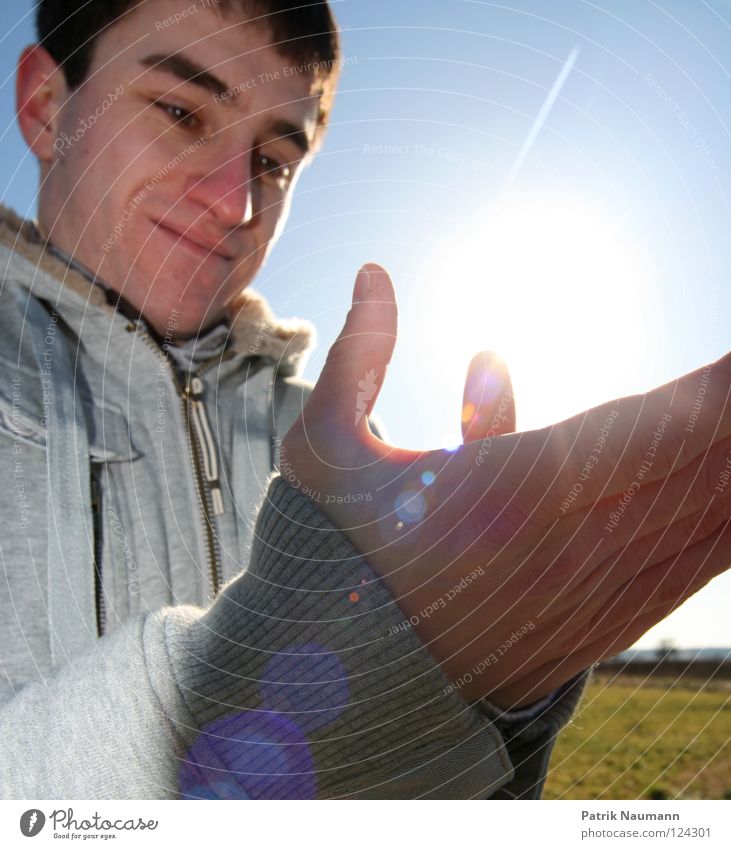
(522, 713)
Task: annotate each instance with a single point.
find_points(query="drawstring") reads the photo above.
(256, 447)
(71, 601)
(274, 403)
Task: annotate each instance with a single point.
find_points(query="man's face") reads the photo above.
(174, 190)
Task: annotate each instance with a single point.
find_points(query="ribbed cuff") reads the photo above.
(301, 684)
(548, 716)
(528, 712)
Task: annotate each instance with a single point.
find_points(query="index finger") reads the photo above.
(617, 447)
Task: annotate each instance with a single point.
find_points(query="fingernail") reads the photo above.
(362, 285)
(372, 284)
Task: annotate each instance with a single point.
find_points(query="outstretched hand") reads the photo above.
(520, 558)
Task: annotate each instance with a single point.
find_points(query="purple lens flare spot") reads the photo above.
(249, 755)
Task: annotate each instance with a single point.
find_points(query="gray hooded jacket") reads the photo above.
(176, 620)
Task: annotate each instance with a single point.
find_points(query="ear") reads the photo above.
(40, 92)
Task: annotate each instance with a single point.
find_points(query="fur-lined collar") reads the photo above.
(254, 328)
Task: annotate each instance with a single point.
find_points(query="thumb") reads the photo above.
(351, 379)
(488, 406)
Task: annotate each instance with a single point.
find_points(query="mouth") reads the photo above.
(193, 243)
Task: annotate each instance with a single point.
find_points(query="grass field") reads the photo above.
(637, 738)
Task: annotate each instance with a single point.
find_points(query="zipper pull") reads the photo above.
(194, 391)
(194, 388)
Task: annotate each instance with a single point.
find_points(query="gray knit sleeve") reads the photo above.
(295, 683)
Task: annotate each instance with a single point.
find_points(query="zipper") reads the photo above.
(201, 446)
(194, 393)
(96, 510)
(205, 497)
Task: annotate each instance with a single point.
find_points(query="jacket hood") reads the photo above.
(253, 327)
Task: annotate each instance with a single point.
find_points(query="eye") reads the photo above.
(179, 114)
(273, 171)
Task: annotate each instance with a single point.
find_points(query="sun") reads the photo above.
(561, 291)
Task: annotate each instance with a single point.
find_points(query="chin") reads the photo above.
(177, 321)
(172, 312)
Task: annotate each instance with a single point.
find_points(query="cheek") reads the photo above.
(122, 156)
(93, 180)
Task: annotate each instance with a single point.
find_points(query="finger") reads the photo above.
(584, 539)
(604, 636)
(657, 504)
(351, 379)
(526, 685)
(656, 591)
(657, 554)
(668, 584)
(620, 637)
(488, 406)
(648, 552)
(615, 631)
(615, 447)
(596, 631)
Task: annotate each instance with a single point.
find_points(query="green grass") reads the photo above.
(654, 740)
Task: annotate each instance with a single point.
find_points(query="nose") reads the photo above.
(226, 188)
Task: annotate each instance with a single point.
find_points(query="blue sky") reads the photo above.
(604, 270)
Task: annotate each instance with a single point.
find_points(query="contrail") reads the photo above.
(541, 117)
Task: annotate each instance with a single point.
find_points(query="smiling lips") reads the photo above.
(194, 241)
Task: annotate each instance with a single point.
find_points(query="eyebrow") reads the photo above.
(189, 71)
(284, 129)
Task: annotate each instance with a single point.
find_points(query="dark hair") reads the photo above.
(302, 31)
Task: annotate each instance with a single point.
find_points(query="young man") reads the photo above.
(144, 397)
